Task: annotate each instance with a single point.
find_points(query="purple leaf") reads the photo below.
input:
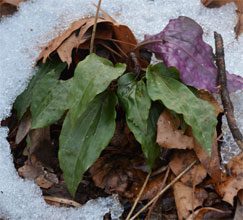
(182, 46)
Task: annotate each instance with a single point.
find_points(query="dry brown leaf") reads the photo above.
(23, 128)
(46, 180)
(186, 202)
(181, 160)
(31, 171)
(116, 174)
(79, 34)
(153, 187)
(168, 134)
(11, 2)
(210, 162)
(239, 11)
(8, 7)
(238, 211)
(215, 3)
(234, 183)
(239, 25)
(205, 95)
(55, 43)
(209, 213)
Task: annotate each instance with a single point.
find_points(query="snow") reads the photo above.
(36, 23)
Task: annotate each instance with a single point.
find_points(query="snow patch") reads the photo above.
(39, 21)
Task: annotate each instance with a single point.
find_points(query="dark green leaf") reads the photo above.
(136, 102)
(176, 96)
(161, 69)
(92, 76)
(82, 140)
(49, 101)
(24, 99)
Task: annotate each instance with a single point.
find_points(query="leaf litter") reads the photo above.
(179, 199)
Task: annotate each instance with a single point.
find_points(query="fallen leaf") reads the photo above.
(181, 160)
(181, 45)
(116, 173)
(215, 3)
(186, 202)
(46, 180)
(239, 25)
(8, 7)
(11, 2)
(234, 182)
(31, 171)
(23, 128)
(210, 162)
(209, 213)
(210, 98)
(169, 135)
(79, 34)
(238, 211)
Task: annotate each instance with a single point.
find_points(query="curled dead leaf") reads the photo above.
(8, 7)
(229, 188)
(116, 173)
(205, 95)
(187, 200)
(215, 3)
(169, 135)
(23, 128)
(209, 213)
(79, 34)
(239, 11)
(181, 160)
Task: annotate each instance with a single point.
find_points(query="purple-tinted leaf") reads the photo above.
(182, 46)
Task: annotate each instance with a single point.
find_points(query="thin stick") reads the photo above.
(163, 190)
(227, 104)
(161, 187)
(138, 197)
(94, 28)
(62, 201)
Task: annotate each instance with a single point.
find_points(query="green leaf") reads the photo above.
(176, 96)
(82, 142)
(136, 102)
(50, 100)
(24, 99)
(161, 69)
(92, 76)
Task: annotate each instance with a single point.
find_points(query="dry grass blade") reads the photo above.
(94, 28)
(61, 201)
(138, 197)
(164, 190)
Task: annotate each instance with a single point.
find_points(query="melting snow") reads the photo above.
(36, 23)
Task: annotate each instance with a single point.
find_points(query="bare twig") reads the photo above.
(138, 197)
(164, 190)
(227, 104)
(94, 28)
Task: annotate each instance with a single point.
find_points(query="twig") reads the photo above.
(62, 201)
(227, 104)
(163, 190)
(94, 28)
(138, 197)
(161, 187)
